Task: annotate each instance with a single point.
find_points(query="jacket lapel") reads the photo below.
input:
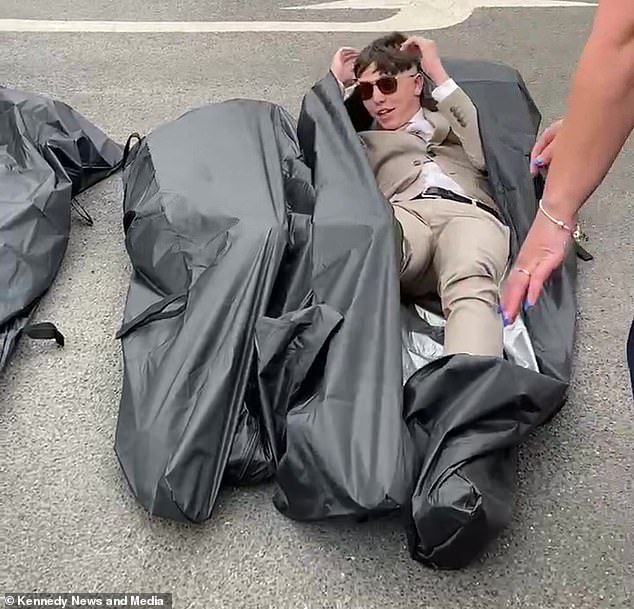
(440, 124)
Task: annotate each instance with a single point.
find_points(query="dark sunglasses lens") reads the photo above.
(387, 85)
(365, 90)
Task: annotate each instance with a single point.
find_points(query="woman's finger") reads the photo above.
(543, 146)
(513, 294)
(540, 147)
(546, 155)
(544, 140)
(538, 277)
(544, 158)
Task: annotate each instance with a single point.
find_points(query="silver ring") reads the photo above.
(519, 269)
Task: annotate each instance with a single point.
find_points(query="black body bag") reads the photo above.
(264, 336)
(49, 153)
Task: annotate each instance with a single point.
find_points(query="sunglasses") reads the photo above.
(386, 85)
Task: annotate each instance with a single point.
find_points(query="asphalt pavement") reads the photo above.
(68, 519)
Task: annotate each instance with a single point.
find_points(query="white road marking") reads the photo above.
(412, 15)
(448, 6)
(354, 4)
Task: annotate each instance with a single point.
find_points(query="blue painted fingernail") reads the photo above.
(528, 305)
(502, 312)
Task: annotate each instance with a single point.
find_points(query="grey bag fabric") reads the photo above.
(264, 336)
(217, 203)
(49, 153)
(348, 450)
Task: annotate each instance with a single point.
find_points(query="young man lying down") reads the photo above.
(426, 154)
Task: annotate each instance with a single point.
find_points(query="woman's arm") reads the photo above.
(600, 113)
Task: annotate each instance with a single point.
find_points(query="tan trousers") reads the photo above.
(458, 252)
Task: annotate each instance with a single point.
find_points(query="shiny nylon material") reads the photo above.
(49, 153)
(209, 218)
(264, 336)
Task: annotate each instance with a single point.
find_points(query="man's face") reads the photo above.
(392, 110)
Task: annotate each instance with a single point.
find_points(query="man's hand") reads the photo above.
(542, 153)
(342, 65)
(542, 252)
(430, 59)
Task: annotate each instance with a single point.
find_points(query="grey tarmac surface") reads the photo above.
(68, 520)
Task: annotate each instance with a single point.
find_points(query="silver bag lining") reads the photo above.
(419, 348)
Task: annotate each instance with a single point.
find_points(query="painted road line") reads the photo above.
(412, 15)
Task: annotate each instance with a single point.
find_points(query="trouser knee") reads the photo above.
(469, 287)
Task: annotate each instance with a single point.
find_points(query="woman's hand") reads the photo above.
(542, 252)
(542, 153)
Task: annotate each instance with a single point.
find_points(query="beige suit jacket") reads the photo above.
(396, 157)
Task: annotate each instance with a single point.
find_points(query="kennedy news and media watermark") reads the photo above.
(72, 600)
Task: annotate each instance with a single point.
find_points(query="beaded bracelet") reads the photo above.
(559, 223)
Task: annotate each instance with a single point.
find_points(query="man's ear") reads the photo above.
(418, 86)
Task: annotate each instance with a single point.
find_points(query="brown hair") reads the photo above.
(386, 55)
